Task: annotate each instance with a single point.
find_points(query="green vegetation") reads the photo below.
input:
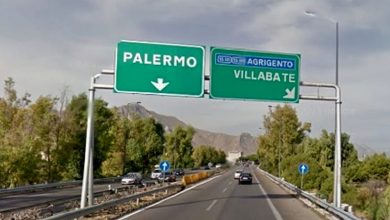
(365, 184)
(179, 148)
(206, 154)
(44, 141)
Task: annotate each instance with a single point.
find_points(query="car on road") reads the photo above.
(155, 174)
(206, 167)
(218, 166)
(245, 178)
(166, 177)
(134, 178)
(178, 172)
(237, 174)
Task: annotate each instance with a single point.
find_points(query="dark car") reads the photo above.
(206, 167)
(245, 178)
(166, 177)
(178, 172)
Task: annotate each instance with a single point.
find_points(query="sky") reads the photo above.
(47, 46)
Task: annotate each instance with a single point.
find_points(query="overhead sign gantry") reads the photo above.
(178, 70)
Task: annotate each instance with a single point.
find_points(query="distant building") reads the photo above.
(233, 156)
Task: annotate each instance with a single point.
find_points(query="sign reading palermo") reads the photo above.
(239, 74)
(158, 68)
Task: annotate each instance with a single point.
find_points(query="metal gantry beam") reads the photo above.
(337, 151)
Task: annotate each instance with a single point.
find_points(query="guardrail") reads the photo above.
(85, 211)
(340, 213)
(38, 187)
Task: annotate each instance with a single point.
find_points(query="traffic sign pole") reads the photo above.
(303, 169)
(87, 184)
(337, 152)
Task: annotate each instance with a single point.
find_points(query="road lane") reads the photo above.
(224, 199)
(194, 203)
(286, 203)
(28, 199)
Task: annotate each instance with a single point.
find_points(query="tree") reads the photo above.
(375, 167)
(202, 155)
(179, 147)
(283, 132)
(115, 164)
(20, 159)
(44, 118)
(103, 137)
(145, 144)
(74, 136)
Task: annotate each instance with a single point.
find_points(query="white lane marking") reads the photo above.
(273, 209)
(211, 205)
(170, 197)
(224, 190)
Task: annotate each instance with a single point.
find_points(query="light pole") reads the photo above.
(337, 153)
(280, 141)
(314, 14)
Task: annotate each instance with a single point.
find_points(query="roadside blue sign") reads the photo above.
(303, 168)
(164, 165)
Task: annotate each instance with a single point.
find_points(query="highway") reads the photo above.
(27, 199)
(222, 198)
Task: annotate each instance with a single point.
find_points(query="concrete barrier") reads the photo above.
(196, 177)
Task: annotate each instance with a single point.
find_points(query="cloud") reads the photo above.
(59, 43)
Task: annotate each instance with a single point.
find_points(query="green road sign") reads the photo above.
(240, 74)
(157, 68)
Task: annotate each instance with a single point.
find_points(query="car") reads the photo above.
(245, 178)
(237, 174)
(206, 167)
(133, 178)
(178, 172)
(218, 166)
(155, 174)
(166, 177)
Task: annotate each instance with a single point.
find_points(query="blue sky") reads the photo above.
(48, 45)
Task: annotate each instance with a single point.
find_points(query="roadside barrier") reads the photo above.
(88, 210)
(42, 187)
(196, 177)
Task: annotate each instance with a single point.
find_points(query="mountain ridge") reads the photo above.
(245, 142)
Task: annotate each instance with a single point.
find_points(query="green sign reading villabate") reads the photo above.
(158, 68)
(240, 74)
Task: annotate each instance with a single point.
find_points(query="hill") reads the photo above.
(244, 142)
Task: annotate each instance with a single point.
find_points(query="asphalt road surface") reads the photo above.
(27, 199)
(222, 198)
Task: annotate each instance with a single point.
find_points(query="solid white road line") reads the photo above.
(211, 205)
(273, 209)
(170, 197)
(224, 190)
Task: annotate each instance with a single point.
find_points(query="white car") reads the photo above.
(132, 178)
(237, 174)
(155, 174)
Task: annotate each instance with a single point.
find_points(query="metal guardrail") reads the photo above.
(38, 187)
(340, 213)
(85, 211)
